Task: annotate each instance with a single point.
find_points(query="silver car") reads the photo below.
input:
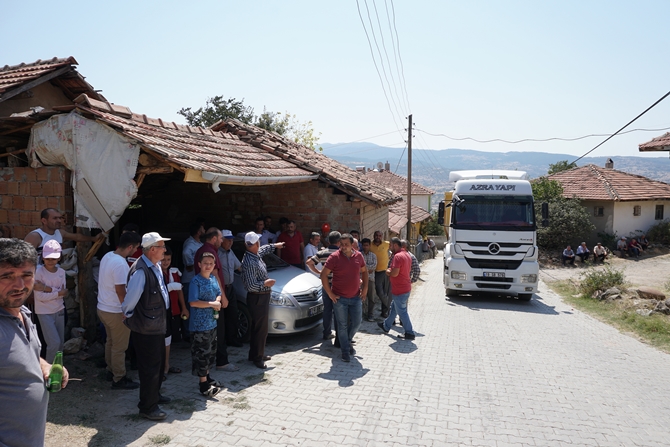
(296, 303)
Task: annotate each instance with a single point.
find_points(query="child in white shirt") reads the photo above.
(49, 292)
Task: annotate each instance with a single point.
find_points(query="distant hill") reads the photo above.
(431, 168)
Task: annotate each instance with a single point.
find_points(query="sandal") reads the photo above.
(211, 391)
(214, 382)
(174, 370)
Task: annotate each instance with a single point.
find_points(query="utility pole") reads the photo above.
(409, 181)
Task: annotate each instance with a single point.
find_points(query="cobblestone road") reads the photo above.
(481, 372)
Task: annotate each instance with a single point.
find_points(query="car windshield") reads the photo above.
(274, 262)
(512, 213)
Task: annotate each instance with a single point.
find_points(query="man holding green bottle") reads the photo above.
(22, 372)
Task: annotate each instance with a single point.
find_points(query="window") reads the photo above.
(659, 212)
(598, 211)
(637, 210)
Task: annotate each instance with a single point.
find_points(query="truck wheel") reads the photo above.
(451, 292)
(525, 296)
(243, 322)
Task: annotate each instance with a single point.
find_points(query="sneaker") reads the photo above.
(329, 336)
(381, 326)
(156, 415)
(125, 384)
(407, 336)
(346, 358)
(211, 391)
(369, 317)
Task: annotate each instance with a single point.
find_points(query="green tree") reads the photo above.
(569, 221)
(217, 109)
(432, 228)
(285, 124)
(560, 166)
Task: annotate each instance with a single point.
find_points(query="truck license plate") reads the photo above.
(315, 310)
(494, 274)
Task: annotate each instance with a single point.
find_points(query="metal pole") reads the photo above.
(409, 182)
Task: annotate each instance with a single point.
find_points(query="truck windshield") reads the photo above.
(512, 213)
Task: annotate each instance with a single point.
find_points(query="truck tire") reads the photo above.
(243, 322)
(451, 292)
(525, 296)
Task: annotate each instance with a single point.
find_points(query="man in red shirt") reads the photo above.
(294, 246)
(401, 287)
(348, 267)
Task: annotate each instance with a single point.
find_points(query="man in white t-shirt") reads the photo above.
(52, 221)
(111, 293)
(312, 249)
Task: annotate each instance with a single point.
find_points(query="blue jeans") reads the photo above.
(348, 316)
(399, 307)
(53, 330)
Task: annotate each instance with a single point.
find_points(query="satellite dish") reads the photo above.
(380, 165)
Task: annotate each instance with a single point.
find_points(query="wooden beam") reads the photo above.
(139, 180)
(147, 160)
(18, 129)
(155, 170)
(7, 154)
(35, 83)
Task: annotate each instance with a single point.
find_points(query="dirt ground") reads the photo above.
(651, 269)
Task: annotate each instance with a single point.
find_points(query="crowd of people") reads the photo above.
(633, 247)
(144, 303)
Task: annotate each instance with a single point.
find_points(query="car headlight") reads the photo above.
(281, 299)
(458, 275)
(529, 278)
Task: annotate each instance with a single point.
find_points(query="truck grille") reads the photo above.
(504, 264)
(493, 286)
(490, 279)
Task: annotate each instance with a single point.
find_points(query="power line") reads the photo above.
(402, 70)
(627, 124)
(376, 67)
(539, 140)
(381, 35)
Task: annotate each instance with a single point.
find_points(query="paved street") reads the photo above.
(482, 372)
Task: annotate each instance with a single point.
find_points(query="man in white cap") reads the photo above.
(148, 295)
(259, 288)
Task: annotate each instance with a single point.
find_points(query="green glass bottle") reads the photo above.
(55, 380)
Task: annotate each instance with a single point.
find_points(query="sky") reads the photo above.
(508, 70)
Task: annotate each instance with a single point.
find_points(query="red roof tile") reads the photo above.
(418, 214)
(330, 171)
(661, 143)
(192, 148)
(72, 83)
(592, 182)
(396, 182)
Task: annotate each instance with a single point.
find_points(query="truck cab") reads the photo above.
(490, 221)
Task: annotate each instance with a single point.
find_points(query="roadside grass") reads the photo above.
(621, 314)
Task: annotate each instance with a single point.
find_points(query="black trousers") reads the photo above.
(221, 346)
(259, 306)
(150, 351)
(230, 314)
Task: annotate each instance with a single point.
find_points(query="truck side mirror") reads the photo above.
(545, 214)
(440, 213)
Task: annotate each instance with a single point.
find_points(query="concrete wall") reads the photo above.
(374, 219)
(420, 200)
(45, 95)
(626, 224)
(604, 223)
(25, 191)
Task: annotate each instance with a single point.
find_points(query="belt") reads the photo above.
(259, 293)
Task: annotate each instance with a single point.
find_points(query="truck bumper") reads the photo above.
(506, 282)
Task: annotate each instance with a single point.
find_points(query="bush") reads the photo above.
(608, 240)
(660, 233)
(600, 280)
(569, 223)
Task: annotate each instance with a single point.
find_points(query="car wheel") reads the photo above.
(243, 322)
(525, 296)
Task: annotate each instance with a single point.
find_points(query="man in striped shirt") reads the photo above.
(259, 287)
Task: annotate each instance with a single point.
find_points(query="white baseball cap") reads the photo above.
(51, 250)
(227, 234)
(251, 238)
(150, 239)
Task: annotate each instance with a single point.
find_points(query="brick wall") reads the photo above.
(25, 191)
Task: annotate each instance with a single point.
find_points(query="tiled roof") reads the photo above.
(397, 222)
(71, 82)
(398, 183)
(187, 147)
(330, 171)
(418, 214)
(592, 182)
(661, 143)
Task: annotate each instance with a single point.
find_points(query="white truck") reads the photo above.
(489, 218)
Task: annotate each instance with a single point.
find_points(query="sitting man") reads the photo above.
(568, 255)
(599, 253)
(643, 241)
(583, 252)
(622, 246)
(634, 248)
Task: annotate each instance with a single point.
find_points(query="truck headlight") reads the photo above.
(529, 278)
(459, 275)
(281, 299)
